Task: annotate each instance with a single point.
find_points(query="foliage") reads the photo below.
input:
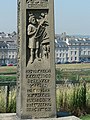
(73, 72)
(12, 100)
(59, 74)
(86, 117)
(73, 75)
(2, 101)
(74, 95)
(73, 98)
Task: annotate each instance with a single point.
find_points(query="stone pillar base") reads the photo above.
(12, 116)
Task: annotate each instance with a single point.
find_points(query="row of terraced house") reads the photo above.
(8, 48)
(72, 49)
(67, 48)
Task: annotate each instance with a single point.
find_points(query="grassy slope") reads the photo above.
(72, 71)
(11, 69)
(6, 73)
(8, 69)
(73, 66)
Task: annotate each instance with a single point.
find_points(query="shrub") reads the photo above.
(12, 100)
(73, 98)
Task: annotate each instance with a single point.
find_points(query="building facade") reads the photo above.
(8, 48)
(61, 51)
(74, 49)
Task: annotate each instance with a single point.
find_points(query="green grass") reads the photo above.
(7, 78)
(73, 66)
(73, 71)
(86, 117)
(11, 69)
(7, 69)
(73, 75)
(8, 73)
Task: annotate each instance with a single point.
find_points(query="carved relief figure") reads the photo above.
(46, 51)
(31, 31)
(42, 25)
(46, 32)
(45, 39)
(37, 34)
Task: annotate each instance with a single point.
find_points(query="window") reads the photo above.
(80, 52)
(66, 54)
(84, 52)
(63, 59)
(60, 54)
(71, 52)
(79, 43)
(75, 58)
(9, 56)
(12, 56)
(75, 52)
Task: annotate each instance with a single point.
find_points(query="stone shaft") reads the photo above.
(36, 66)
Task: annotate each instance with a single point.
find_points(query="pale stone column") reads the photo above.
(36, 66)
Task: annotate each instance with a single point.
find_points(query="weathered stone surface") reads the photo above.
(5, 116)
(13, 117)
(36, 68)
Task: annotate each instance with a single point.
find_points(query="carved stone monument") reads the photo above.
(36, 68)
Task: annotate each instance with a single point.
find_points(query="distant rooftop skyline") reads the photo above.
(71, 16)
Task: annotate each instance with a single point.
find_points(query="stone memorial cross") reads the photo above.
(36, 68)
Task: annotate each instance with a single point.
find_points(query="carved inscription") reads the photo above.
(37, 3)
(35, 69)
(38, 90)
